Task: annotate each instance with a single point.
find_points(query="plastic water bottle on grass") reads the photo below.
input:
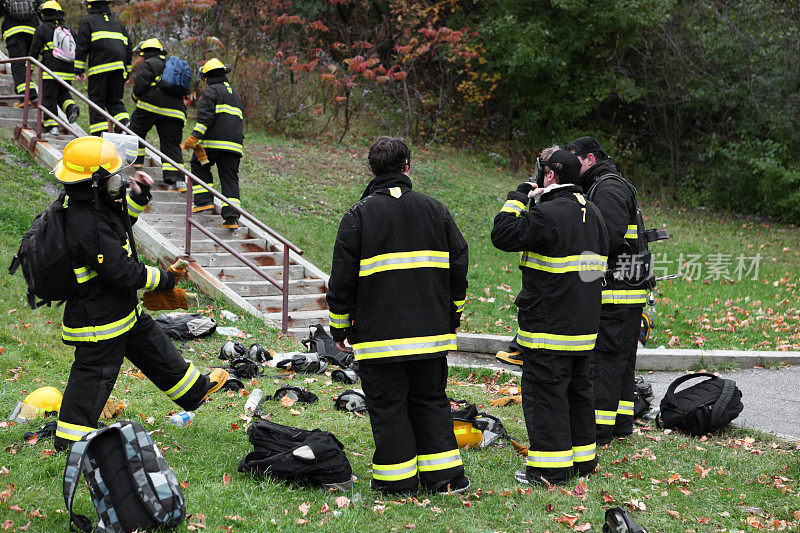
(184, 418)
(253, 400)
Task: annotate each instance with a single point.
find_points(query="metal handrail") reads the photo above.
(190, 180)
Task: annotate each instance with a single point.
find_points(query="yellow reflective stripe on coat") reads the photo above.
(604, 418)
(163, 111)
(84, 274)
(102, 332)
(105, 67)
(97, 35)
(66, 76)
(153, 278)
(80, 65)
(560, 459)
(72, 432)
(513, 206)
(201, 128)
(625, 408)
(134, 209)
(439, 461)
(338, 321)
(622, 297)
(407, 346)
(585, 262)
(632, 232)
(459, 305)
(552, 341)
(229, 109)
(16, 30)
(222, 145)
(582, 454)
(187, 381)
(395, 472)
(404, 260)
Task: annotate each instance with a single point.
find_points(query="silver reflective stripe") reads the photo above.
(70, 432)
(98, 331)
(407, 471)
(583, 453)
(550, 340)
(187, 381)
(567, 264)
(546, 459)
(443, 343)
(440, 461)
(445, 261)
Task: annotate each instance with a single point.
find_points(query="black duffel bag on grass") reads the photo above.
(702, 408)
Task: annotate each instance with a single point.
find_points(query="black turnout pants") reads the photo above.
(18, 46)
(97, 365)
(106, 90)
(558, 405)
(169, 136)
(228, 168)
(613, 370)
(411, 423)
(54, 96)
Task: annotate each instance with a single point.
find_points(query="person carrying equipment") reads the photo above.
(103, 55)
(54, 95)
(614, 358)
(19, 25)
(219, 131)
(104, 321)
(397, 290)
(159, 108)
(564, 245)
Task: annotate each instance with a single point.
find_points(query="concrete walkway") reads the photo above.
(771, 398)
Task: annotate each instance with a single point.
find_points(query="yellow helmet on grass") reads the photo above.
(37, 404)
(83, 157)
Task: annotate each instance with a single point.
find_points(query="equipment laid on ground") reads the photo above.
(646, 327)
(619, 520)
(186, 326)
(346, 375)
(643, 397)
(323, 344)
(42, 402)
(702, 408)
(478, 429)
(132, 486)
(244, 368)
(295, 393)
(232, 350)
(297, 455)
(253, 401)
(309, 363)
(259, 353)
(352, 400)
(184, 418)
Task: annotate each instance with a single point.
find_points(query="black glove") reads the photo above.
(525, 187)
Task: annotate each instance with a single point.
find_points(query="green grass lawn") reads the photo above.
(675, 483)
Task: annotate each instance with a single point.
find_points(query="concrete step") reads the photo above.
(16, 112)
(7, 79)
(201, 244)
(166, 208)
(302, 319)
(227, 274)
(59, 141)
(208, 260)
(297, 302)
(265, 288)
(178, 220)
(177, 231)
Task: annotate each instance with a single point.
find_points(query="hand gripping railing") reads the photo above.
(191, 179)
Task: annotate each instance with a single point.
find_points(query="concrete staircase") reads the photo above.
(161, 232)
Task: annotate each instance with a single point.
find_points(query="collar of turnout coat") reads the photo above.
(556, 190)
(384, 181)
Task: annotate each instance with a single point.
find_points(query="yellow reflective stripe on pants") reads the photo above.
(84, 274)
(21, 87)
(186, 383)
(97, 35)
(102, 332)
(621, 297)
(197, 189)
(395, 472)
(80, 65)
(66, 104)
(233, 201)
(552, 341)
(153, 278)
(439, 461)
(98, 126)
(558, 265)
(625, 408)
(222, 145)
(168, 166)
(123, 116)
(539, 459)
(582, 454)
(404, 260)
(459, 305)
(604, 418)
(229, 109)
(513, 206)
(632, 232)
(338, 321)
(66, 76)
(200, 128)
(105, 67)
(134, 209)
(407, 346)
(16, 30)
(72, 432)
(163, 111)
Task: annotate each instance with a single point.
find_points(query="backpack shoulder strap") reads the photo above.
(670, 395)
(718, 411)
(72, 475)
(592, 192)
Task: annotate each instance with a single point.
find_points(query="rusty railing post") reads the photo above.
(188, 236)
(39, 107)
(285, 311)
(27, 97)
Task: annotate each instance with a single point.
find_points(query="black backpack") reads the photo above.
(702, 408)
(44, 259)
(323, 344)
(291, 454)
(132, 486)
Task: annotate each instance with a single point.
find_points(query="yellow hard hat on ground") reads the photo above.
(83, 157)
(152, 44)
(213, 64)
(51, 4)
(37, 404)
(467, 436)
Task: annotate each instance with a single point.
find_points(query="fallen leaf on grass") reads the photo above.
(226, 479)
(754, 522)
(47, 452)
(636, 505)
(324, 509)
(702, 471)
(411, 526)
(25, 527)
(6, 494)
(294, 412)
(301, 521)
(674, 514)
(16, 508)
(342, 501)
(235, 518)
(199, 524)
(676, 478)
(36, 513)
(685, 492)
(567, 519)
(184, 485)
(437, 510)
(6, 424)
(33, 440)
(379, 509)
(288, 402)
(304, 508)
(4, 471)
(586, 526)
(234, 427)
(8, 524)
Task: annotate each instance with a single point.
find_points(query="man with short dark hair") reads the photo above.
(564, 246)
(614, 358)
(397, 290)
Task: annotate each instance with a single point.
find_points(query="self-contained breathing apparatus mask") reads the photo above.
(126, 148)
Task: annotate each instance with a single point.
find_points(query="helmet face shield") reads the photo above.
(351, 400)
(123, 150)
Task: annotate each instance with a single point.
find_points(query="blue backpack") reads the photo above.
(176, 79)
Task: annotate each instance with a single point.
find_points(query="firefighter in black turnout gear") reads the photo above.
(18, 33)
(104, 54)
(156, 107)
(614, 358)
(219, 131)
(397, 290)
(104, 321)
(54, 95)
(564, 245)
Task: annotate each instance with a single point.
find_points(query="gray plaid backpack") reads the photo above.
(132, 486)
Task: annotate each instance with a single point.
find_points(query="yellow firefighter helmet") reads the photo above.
(84, 156)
